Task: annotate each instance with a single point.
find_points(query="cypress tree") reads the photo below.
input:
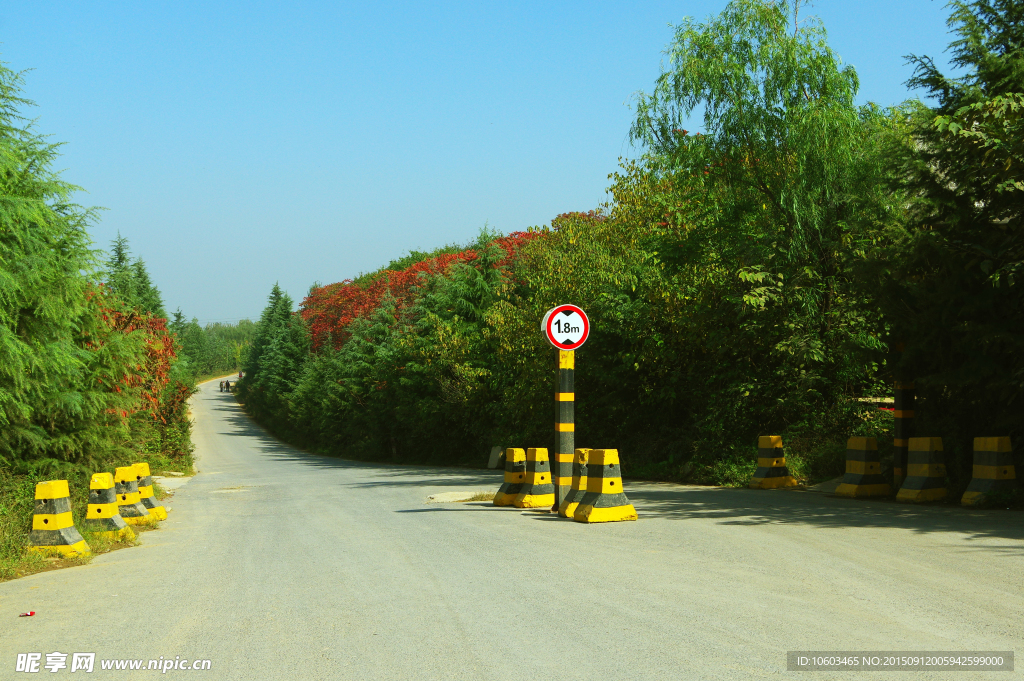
(147, 295)
(953, 293)
(44, 251)
(275, 359)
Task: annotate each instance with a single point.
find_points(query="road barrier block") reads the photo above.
(53, 530)
(863, 470)
(145, 480)
(102, 516)
(578, 487)
(993, 469)
(926, 471)
(515, 475)
(537, 491)
(129, 504)
(605, 500)
(771, 470)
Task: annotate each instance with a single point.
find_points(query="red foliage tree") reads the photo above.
(330, 309)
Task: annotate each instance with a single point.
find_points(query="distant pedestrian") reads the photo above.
(227, 385)
(222, 386)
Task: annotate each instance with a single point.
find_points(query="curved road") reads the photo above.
(275, 564)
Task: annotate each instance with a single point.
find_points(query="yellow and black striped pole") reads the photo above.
(903, 430)
(565, 426)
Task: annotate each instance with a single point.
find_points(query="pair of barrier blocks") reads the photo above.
(594, 494)
(115, 502)
(993, 472)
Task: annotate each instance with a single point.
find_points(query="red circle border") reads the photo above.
(551, 315)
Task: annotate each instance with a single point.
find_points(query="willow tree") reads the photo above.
(767, 206)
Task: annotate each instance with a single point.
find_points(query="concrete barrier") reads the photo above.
(605, 500)
(129, 504)
(926, 471)
(771, 472)
(515, 475)
(993, 470)
(53, 530)
(537, 490)
(578, 486)
(102, 516)
(145, 479)
(863, 470)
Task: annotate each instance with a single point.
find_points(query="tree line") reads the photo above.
(91, 376)
(763, 276)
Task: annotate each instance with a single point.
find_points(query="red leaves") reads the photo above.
(330, 309)
(147, 372)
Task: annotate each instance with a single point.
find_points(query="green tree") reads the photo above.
(119, 275)
(147, 295)
(952, 285)
(765, 215)
(130, 280)
(279, 348)
(44, 251)
(195, 346)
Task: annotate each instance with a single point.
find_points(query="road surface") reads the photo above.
(275, 564)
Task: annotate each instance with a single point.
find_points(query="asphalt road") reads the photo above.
(275, 564)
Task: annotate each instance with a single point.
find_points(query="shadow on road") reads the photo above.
(668, 501)
(760, 507)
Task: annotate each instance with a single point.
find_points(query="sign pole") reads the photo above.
(565, 425)
(566, 327)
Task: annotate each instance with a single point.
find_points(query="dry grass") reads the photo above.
(481, 496)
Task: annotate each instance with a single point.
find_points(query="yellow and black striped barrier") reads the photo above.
(102, 516)
(515, 476)
(578, 487)
(605, 500)
(771, 470)
(53, 530)
(565, 425)
(145, 480)
(863, 470)
(926, 471)
(993, 469)
(129, 504)
(903, 429)
(537, 490)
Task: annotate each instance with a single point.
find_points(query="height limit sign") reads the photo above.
(566, 327)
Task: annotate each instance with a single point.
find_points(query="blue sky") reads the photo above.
(238, 144)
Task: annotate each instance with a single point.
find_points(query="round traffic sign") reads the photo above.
(566, 327)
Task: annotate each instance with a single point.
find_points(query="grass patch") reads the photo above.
(17, 502)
